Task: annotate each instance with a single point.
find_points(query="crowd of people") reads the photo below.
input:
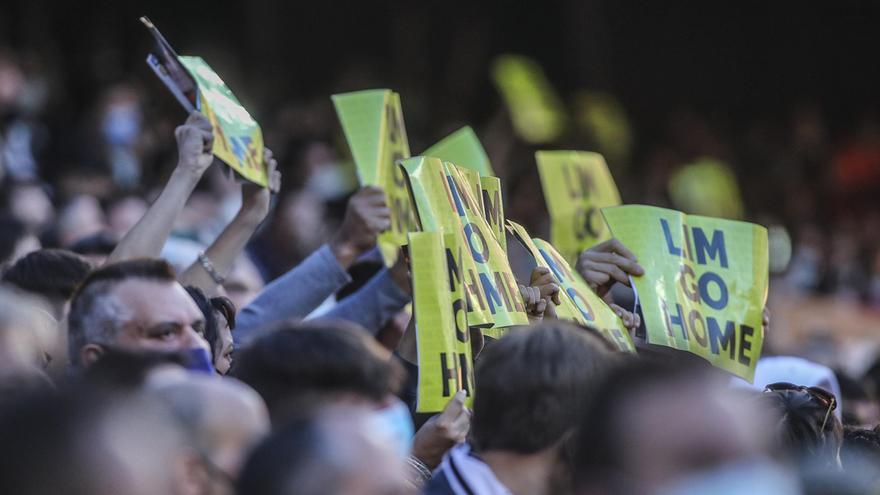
(184, 333)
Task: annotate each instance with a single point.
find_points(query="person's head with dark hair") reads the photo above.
(219, 313)
(82, 441)
(123, 370)
(858, 407)
(658, 425)
(806, 426)
(95, 248)
(531, 388)
(860, 451)
(224, 313)
(337, 453)
(15, 240)
(137, 305)
(53, 274)
(299, 367)
(533, 385)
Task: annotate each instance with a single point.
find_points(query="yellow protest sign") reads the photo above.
(493, 208)
(536, 111)
(444, 203)
(238, 139)
(706, 187)
(705, 282)
(578, 302)
(576, 185)
(462, 148)
(602, 118)
(372, 121)
(442, 334)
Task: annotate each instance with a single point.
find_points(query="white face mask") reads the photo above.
(395, 423)
(753, 476)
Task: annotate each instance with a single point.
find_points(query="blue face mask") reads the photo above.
(396, 423)
(199, 360)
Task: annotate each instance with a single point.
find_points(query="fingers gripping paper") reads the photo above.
(373, 124)
(442, 335)
(445, 203)
(705, 282)
(579, 303)
(576, 185)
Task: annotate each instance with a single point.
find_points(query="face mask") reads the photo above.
(122, 125)
(199, 360)
(396, 423)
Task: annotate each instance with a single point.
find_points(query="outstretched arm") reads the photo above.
(195, 139)
(231, 242)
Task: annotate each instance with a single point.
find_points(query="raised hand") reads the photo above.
(366, 216)
(443, 431)
(606, 263)
(195, 140)
(255, 200)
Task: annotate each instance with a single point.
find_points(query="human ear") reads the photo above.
(89, 354)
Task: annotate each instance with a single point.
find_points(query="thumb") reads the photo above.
(455, 405)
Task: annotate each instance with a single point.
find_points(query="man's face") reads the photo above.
(161, 316)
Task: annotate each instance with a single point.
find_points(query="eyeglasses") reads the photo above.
(824, 397)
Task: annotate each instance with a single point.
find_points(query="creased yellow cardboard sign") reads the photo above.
(576, 185)
(493, 208)
(442, 334)
(238, 139)
(708, 187)
(579, 303)
(536, 111)
(705, 282)
(373, 124)
(464, 149)
(445, 203)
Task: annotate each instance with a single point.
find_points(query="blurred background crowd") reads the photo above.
(782, 93)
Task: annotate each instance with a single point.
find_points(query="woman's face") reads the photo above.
(223, 355)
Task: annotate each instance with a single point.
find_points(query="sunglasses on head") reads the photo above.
(824, 397)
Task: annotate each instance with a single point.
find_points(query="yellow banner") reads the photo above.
(576, 185)
(536, 111)
(373, 124)
(442, 335)
(445, 203)
(493, 208)
(705, 282)
(464, 149)
(238, 139)
(706, 187)
(579, 303)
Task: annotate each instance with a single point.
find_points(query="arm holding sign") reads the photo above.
(194, 142)
(230, 243)
(302, 289)
(366, 217)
